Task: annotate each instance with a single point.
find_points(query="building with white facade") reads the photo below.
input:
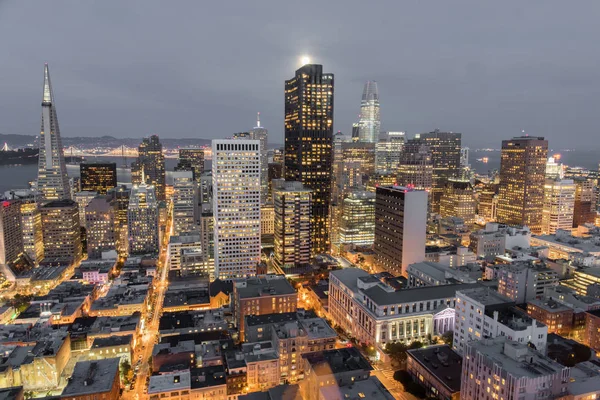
(187, 241)
(559, 205)
(184, 202)
(236, 171)
(357, 222)
(523, 281)
(388, 151)
(373, 312)
(495, 238)
(83, 199)
(400, 228)
(483, 313)
(502, 369)
(435, 274)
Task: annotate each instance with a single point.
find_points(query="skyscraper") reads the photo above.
(98, 177)
(11, 232)
(53, 182)
(261, 134)
(236, 207)
(191, 159)
(445, 148)
(400, 228)
(522, 178)
(121, 196)
(184, 203)
(458, 200)
(31, 224)
(100, 226)
(585, 202)
(369, 123)
(151, 165)
(357, 222)
(388, 151)
(142, 220)
(309, 140)
(292, 225)
(61, 231)
(415, 168)
(559, 204)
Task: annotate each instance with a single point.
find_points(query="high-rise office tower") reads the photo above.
(31, 224)
(522, 179)
(142, 220)
(275, 171)
(150, 165)
(488, 201)
(191, 159)
(11, 231)
(100, 226)
(400, 228)
(236, 207)
(559, 205)
(205, 193)
(184, 203)
(61, 231)
(309, 141)
(416, 167)
(388, 151)
(361, 153)
(121, 196)
(261, 134)
(357, 222)
(584, 211)
(292, 239)
(458, 200)
(554, 170)
(369, 123)
(337, 180)
(98, 177)
(445, 148)
(53, 182)
(83, 199)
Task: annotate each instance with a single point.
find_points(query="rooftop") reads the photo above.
(550, 305)
(337, 361)
(169, 382)
(370, 388)
(274, 285)
(382, 297)
(208, 376)
(110, 341)
(517, 359)
(485, 296)
(92, 377)
(441, 362)
(514, 318)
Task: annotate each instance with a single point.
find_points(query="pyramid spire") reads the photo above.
(48, 97)
(53, 182)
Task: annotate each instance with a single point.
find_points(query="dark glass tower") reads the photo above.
(98, 177)
(309, 142)
(151, 161)
(445, 157)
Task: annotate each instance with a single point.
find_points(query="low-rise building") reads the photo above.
(525, 281)
(592, 329)
(375, 313)
(556, 316)
(492, 240)
(262, 366)
(438, 369)
(332, 368)
(121, 300)
(563, 244)
(94, 380)
(434, 274)
(111, 347)
(499, 368)
(264, 294)
(482, 313)
(182, 322)
(196, 383)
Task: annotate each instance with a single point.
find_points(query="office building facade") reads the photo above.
(184, 202)
(416, 167)
(522, 178)
(369, 123)
(191, 159)
(400, 225)
(100, 226)
(559, 205)
(292, 233)
(149, 168)
(11, 231)
(142, 220)
(236, 207)
(308, 142)
(458, 200)
(388, 151)
(357, 222)
(61, 231)
(98, 177)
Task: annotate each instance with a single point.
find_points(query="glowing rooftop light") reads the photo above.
(305, 60)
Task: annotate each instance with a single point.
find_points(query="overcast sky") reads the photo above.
(204, 68)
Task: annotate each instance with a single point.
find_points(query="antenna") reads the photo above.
(258, 119)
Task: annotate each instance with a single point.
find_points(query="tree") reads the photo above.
(126, 372)
(448, 337)
(397, 352)
(415, 345)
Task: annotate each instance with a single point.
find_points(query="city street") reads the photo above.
(386, 376)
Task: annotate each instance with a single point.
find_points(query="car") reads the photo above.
(137, 368)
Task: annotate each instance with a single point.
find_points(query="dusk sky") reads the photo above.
(204, 68)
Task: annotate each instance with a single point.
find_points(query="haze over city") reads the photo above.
(198, 69)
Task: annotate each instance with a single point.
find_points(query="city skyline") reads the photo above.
(496, 84)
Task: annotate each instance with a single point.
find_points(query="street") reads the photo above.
(386, 375)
